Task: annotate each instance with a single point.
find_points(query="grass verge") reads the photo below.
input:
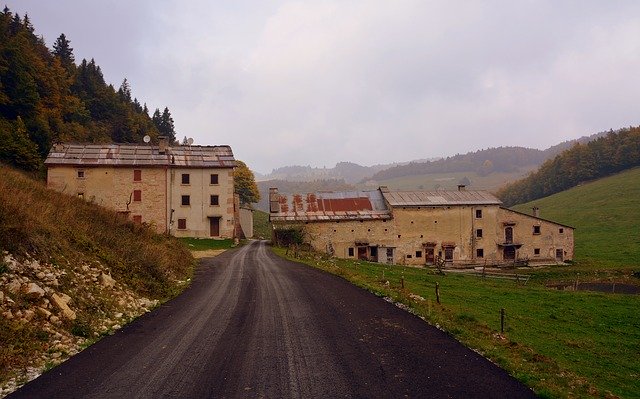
(206, 244)
(561, 344)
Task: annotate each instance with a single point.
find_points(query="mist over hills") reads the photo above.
(489, 168)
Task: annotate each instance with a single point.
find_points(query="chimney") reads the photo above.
(462, 187)
(274, 206)
(163, 143)
(536, 211)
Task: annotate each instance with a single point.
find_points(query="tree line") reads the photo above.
(609, 154)
(484, 162)
(45, 97)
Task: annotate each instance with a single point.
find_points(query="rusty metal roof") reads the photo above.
(439, 198)
(140, 155)
(330, 206)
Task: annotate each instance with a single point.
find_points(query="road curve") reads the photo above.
(254, 325)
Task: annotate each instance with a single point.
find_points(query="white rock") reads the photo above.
(66, 298)
(14, 286)
(59, 303)
(28, 314)
(40, 275)
(44, 312)
(106, 280)
(33, 291)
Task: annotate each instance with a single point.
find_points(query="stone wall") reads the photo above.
(446, 231)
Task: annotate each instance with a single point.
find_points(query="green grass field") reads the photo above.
(261, 225)
(560, 343)
(205, 244)
(606, 215)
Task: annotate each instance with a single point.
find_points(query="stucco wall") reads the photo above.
(199, 212)
(246, 222)
(412, 231)
(161, 191)
(114, 187)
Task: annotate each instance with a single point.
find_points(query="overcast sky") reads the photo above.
(317, 82)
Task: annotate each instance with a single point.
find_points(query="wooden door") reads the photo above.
(509, 253)
(214, 227)
(429, 255)
(362, 253)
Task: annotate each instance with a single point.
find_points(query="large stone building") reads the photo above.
(461, 227)
(186, 191)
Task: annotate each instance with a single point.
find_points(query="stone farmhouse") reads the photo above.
(461, 228)
(186, 191)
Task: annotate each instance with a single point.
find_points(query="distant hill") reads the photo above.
(291, 187)
(606, 215)
(604, 156)
(348, 171)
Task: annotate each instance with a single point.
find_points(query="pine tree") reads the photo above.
(124, 92)
(167, 127)
(63, 50)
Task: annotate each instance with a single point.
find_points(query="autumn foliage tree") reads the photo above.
(46, 98)
(602, 157)
(245, 184)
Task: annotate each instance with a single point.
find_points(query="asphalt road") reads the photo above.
(254, 325)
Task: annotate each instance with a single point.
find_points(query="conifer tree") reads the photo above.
(63, 50)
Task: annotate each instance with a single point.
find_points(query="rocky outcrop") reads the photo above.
(68, 305)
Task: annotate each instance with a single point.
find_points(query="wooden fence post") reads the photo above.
(502, 313)
(438, 293)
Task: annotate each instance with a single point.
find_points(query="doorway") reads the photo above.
(560, 255)
(509, 253)
(214, 226)
(362, 253)
(430, 256)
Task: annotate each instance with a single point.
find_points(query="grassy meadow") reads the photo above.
(261, 225)
(606, 215)
(560, 343)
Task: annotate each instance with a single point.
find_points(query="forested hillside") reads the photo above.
(602, 157)
(45, 97)
(484, 162)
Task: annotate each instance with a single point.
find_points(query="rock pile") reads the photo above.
(69, 306)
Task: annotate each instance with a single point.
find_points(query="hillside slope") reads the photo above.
(71, 271)
(606, 215)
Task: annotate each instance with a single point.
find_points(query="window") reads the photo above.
(409, 256)
(214, 179)
(80, 174)
(560, 230)
(182, 224)
(137, 219)
(214, 200)
(186, 200)
(81, 196)
(185, 178)
(479, 253)
(418, 254)
(399, 236)
(137, 175)
(351, 252)
(137, 195)
(478, 213)
(536, 229)
(536, 251)
(479, 233)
